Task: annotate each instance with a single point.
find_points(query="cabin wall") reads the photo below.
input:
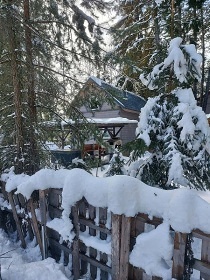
(106, 111)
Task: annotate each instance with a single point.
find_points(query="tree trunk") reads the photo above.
(33, 147)
(15, 68)
(203, 60)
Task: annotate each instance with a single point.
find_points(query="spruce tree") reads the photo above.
(172, 148)
(140, 37)
(116, 166)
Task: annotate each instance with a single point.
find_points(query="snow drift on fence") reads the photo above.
(182, 209)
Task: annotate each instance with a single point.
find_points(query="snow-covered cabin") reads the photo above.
(121, 104)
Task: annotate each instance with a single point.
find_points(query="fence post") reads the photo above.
(75, 245)
(125, 247)
(116, 236)
(179, 255)
(43, 211)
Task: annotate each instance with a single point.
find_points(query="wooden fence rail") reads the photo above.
(117, 234)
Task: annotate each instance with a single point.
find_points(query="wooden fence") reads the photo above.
(117, 231)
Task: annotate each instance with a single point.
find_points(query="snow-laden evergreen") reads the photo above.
(173, 137)
(183, 59)
(116, 166)
(176, 133)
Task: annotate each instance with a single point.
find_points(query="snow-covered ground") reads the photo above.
(26, 264)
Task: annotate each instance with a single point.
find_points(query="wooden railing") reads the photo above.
(117, 233)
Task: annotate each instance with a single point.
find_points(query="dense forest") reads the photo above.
(49, 48)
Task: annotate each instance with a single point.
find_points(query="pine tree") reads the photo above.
(116, 166)
(134, 38)
(138, 45)
(42, 56)
(172, 148)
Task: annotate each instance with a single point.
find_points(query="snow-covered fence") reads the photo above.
(109, 228)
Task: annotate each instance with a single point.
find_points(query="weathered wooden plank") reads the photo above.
(137, 273)
(83, 250)
(3, 219)
(15, 215)
(130, 272)
(102, 221)
(203, 267)
(140, 225)
(116, 234)
(15, 199)
(43, 212)
(156, 278)
(92, 232)
(93, 268)
(125, 247)
(62, 247)
(66, 258)
(22, 200)
(3, 190)
(75, 245)
(55, 250)
(104, 259)
(43, 208)
(82, 213)
(200, 234)
(145, 218)
(103, 235)
(205, 257)
(51, 233)
(132, 238)
(54, 212)
(95, 263)
(179, 255)
(92, 216)
(91, 224)
(53, 199)
(55, 191)
(35, 225)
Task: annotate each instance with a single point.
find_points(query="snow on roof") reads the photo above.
(96, 80)
(124, 98)
(118, 120)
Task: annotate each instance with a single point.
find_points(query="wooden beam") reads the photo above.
(43, 211)
(35, 224)
(116, 234)
(16, 218)
(95, 263)
(90, 224)
(62, 247)
(125, 247)
(75, 245)
(203, 267)
(205, 258)
(179, 255)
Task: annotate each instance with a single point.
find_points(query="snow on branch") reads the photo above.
(183, 59)
(80, 17)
